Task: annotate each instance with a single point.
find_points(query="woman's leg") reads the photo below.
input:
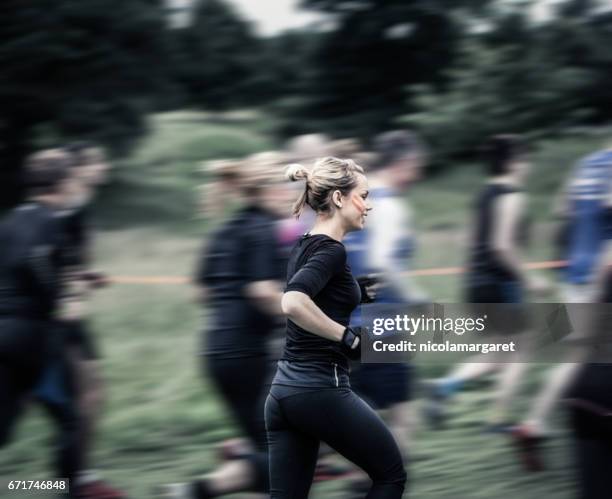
(292, 454)
(241, 382)
(345, 422)
(593, 439)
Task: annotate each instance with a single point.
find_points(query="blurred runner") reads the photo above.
(219, 191)
(494, 275)
(381, 253)
(30, 282)
(307, 148)
(586, 206)
(589, 398)
(71, 386)
(239, 281)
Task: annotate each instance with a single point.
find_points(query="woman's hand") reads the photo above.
(369, 286)
(351, 341)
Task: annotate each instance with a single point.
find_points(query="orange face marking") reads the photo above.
(359, 203)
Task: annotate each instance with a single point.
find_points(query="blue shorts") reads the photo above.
(383, 385)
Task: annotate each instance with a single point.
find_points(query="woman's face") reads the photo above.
(520, 169)
(354, 206)
(407, 171)
(94, 172)
(74, 191)
(277, 198)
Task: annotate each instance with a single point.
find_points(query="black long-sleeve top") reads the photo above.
(318, 268)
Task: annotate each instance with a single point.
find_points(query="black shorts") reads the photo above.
(23, 353)
(76, 333)
(383, 385)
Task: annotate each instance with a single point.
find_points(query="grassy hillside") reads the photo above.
(162, 418)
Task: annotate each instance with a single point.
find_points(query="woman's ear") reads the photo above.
(337, 199)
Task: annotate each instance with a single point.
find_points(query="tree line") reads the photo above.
(456, 70)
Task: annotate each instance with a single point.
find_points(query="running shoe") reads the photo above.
(498, 428)
(97, 489)
(435, 410)
(529, 448)
(235, 448)
(329, 471)
(190, 490)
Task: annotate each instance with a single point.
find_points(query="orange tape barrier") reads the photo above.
(176, 280)
(148, 280)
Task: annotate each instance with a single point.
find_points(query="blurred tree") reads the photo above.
(215, 57)
(378, 48)
(286, 73)
(285, 64)
(75, 70)
(581, 36)
(507, 80)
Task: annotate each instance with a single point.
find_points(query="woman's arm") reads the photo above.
(201, 294)
(266, 295)
(508, 211)
(300, 308)
(262, 288)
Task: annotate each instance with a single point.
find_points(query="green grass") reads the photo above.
(162, 419)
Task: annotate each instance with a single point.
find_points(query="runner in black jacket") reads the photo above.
(30, 262)
(239, 282)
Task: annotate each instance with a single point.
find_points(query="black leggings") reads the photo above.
(298, 422)
(56, 392)
(22, 356)
(593, 439)
(30, 366)
(243, 382)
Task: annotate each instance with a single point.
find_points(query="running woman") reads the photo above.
(239, 279)
(310, 400)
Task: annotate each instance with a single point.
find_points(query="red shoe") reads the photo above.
(529, 447)
(235, 448)
(328, 471)
(97, 489)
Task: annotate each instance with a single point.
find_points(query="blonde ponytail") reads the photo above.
(296, 172)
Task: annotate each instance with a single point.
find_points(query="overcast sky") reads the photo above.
(272, 16)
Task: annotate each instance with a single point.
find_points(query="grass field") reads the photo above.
(162, 419)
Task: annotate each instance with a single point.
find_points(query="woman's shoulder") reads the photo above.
(310, 245)
(322, 241)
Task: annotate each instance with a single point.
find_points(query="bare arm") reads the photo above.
(300, 308)
(561, 206)
(508, 212)
(201, 294)
(391, 221)
(266, 295)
